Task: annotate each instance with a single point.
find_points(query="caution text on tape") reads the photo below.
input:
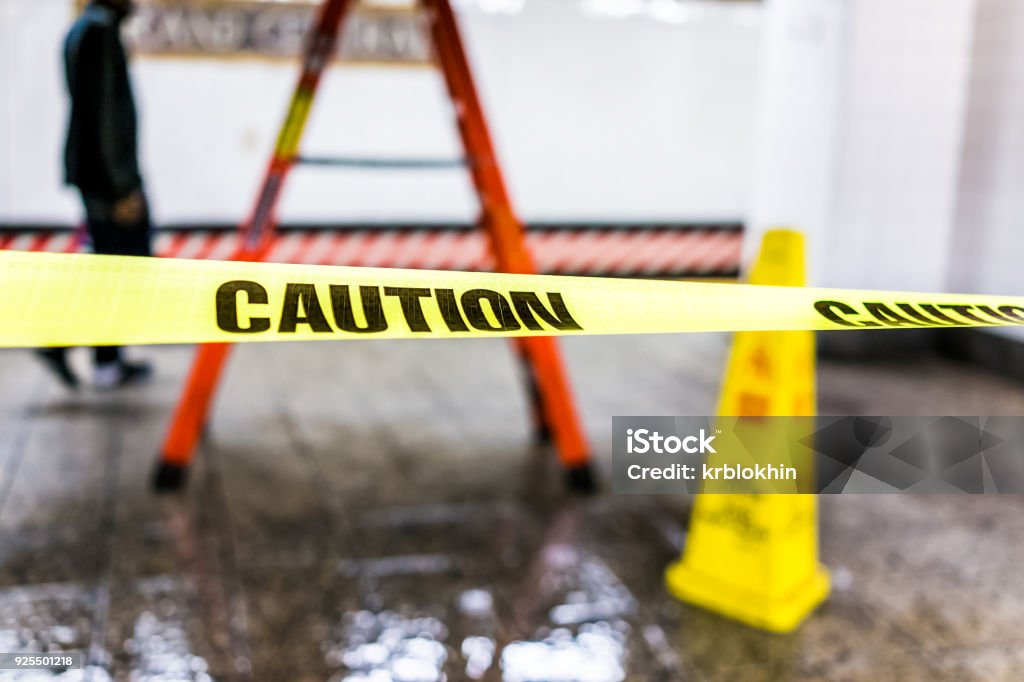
(60, 299)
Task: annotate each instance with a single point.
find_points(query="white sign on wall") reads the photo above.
(374, 33)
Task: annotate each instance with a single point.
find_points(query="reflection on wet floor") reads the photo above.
(386, 646)
(570, 607)
(375, 512)
(43, 618)
(594, 654)
(55, 618)
(159, 648)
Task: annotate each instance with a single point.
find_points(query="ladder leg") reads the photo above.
(255, 234)
(542, 433)
(556, 409)
(550, 393)
(190, 416)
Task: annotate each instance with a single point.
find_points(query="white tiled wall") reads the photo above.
(861, 115)
(905, 76)
(795, 132)
(989, 221)
(990, 214)
(897, 142)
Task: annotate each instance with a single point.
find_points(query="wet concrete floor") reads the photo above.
(374, 511)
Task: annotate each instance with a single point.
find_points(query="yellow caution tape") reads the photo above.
(64, 300)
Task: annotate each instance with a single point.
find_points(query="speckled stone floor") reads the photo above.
(374, 511)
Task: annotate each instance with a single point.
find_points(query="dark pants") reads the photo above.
(113, 238)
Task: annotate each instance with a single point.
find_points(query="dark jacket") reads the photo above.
(100, 157)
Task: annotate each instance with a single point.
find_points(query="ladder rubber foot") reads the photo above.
(542, 435)
(581, 479)
(169, 477)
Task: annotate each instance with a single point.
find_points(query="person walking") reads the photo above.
(101, 161)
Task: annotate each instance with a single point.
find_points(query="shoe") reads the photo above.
(120, 374)
(56, 361)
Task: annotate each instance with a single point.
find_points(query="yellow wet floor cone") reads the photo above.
(754, 558)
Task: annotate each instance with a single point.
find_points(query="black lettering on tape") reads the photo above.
(935, 312)
(227, 306)
(410, 297)
(916, 314)
(1013, 311)
(831, 310)
(373, 309)
(887, 315)
(527, 303)
(471, 305)
(449, 307)
(296, 294)
(964, 311)
(994, 315)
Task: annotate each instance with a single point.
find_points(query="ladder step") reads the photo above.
(380, 163)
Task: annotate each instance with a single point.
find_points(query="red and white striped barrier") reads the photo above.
(647, 251)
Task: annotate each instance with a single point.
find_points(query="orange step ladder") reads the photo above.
(554, 413)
